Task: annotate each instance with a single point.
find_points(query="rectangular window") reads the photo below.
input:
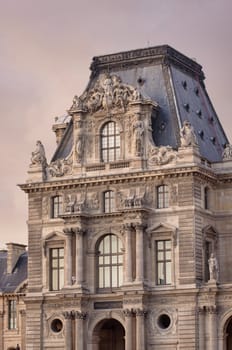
(12, 314)
(56, 268)
(56, 206)
(109, 202)
(163, 262)
(162, 197)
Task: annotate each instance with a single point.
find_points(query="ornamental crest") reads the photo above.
(161, 155)
(108, 93)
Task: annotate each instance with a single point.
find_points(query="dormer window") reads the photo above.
(110, 142)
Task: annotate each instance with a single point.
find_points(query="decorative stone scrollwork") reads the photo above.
(60, 167)
(227, 153)
(108, 93)
(80, 315)
(187, 135)
(161, 155)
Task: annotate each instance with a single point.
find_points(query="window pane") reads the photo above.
(107, 276)
(168, 273)
(110, 262)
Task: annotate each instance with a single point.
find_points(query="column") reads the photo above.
(140, 338)
(79, 256)
(139, 253)
(23, 329)
(128, 267)
(201, 329)
(79, 330)
(68, 330)
(129, 331)
(68, 257)
(212, 324)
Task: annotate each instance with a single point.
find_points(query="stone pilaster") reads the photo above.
(140, 337)
(212, 327)
(128, 267)
(23, 329)
(201, 327)
(79, 257)
(139, 253)
(79, 330)
(68, 329)
(129, 329)
(68, 258)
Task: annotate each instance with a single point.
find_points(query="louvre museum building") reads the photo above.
(130, 223)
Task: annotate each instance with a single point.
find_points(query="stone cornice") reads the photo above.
(160, 54)
(134, 176)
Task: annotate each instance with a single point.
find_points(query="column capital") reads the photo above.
(140, 312)
(201, 310)
(128, 312)
(80, 315)
(68, 231)
(127, 226)
(68, 315)
(212, 309)
(139, 226)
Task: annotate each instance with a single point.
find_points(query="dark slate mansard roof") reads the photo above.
(9, 282)
(176, 83)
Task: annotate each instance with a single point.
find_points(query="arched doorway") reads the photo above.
(110, 335)
(229, 335)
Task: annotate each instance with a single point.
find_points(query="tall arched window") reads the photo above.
(162, 197)
(110, 262)
(110, 142)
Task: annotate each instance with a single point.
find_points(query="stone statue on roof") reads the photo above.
(38, 156)
(187, 135)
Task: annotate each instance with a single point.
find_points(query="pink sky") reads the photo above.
(46, 48)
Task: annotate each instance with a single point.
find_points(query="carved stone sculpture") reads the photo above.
(161, 155)
(227, 153)
(187, 135)
(38, 156)
(108, 93)
(213, 267)
(138, 137)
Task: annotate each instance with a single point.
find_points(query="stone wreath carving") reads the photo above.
(108, 93)
(161, 155)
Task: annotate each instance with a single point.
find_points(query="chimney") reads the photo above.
(14, 250)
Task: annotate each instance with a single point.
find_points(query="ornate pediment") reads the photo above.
(107, 94)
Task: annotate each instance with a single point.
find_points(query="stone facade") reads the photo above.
(129, 227)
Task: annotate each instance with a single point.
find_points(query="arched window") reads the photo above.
(110, 262)
(109, 206)
(110, 142)
(162, 197)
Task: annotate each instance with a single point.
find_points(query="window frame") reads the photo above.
(56, 206)
(110, 142)
(162, 195)
(57, 269)
(163, 261)
(109, 201)
(109, 261)
(12, 314)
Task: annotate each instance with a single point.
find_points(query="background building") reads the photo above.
(13, 286)
(130, 224)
